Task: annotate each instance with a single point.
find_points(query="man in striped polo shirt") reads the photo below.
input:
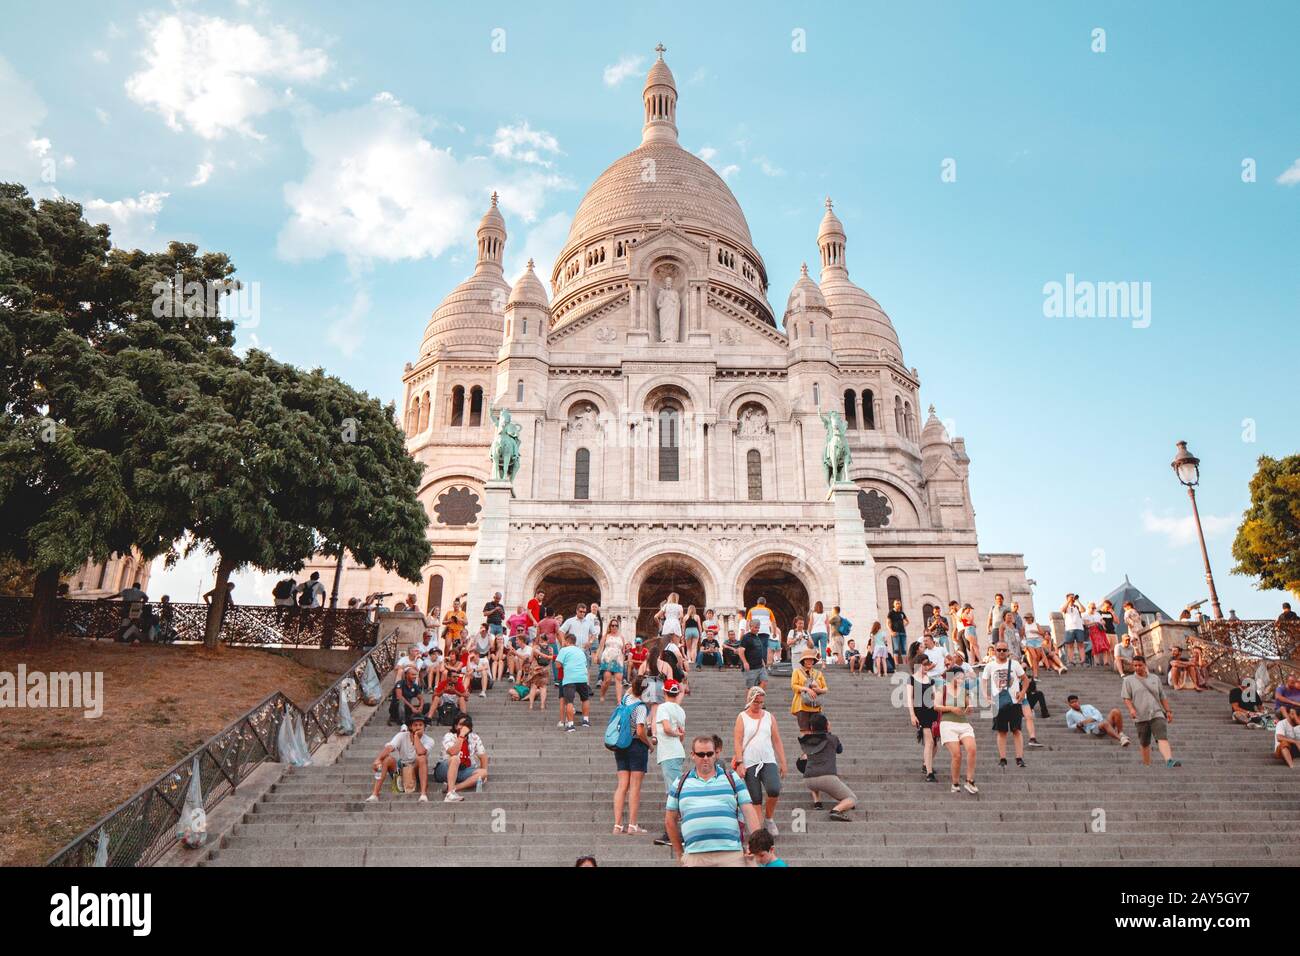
(704, 812)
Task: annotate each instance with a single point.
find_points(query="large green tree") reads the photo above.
(274, 462)
(1267, 545)
(87, 356)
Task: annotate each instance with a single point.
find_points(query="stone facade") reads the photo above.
(672, 430)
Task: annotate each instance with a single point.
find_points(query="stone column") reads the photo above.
(487, 560)
(855, 570)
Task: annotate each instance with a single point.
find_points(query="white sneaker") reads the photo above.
(771, 827)
(424, 798)
(1123, 740)
(482, 693)
(452, 798)
(560, 725)
(372, 799)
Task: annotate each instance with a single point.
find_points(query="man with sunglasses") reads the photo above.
(1006, 683)
(709, 811)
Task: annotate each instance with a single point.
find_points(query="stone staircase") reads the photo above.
(1080, 801)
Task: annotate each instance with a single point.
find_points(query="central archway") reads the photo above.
(667, 574)
(784, 592)
(568, 579)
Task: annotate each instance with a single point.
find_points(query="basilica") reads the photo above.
(671, 425)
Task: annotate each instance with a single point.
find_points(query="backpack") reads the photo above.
(620, 730)
(448, 714)
(845, 626)
(307, 593)
(282, 589)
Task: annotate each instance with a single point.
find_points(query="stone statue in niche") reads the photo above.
(669, 305)
(583, 419)
(753, 421)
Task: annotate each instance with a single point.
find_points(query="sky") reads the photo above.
(977, 154)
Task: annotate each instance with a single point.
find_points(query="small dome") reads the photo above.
(934, 433)
(805, 295)
(470, 320)
(492, 219)
(660, 75)
(528, 290)
(830, 225)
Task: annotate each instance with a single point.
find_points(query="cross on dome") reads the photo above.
(661, 50)
(494, 197)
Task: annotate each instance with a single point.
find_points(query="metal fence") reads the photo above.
(1235, 649)
(143, 828)
(246, 624)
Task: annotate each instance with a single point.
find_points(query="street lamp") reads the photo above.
(1188, 469)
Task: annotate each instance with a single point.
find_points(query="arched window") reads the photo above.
(669, 442)
(893, 590)
(413, 418)
(754, 470)
(125, 580)
(868, 409)
(907, 420)
(423, 421)
(817, 395)
(519, 390)
(523, 330)
(476, 406)
(458, 406)
(435, 593)
(851, 408)
(927, 612)
(582, 474)
(103, 573)
(898, 414)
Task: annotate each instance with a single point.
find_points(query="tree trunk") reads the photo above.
(338, 573)
(212, 629)
(43, 625)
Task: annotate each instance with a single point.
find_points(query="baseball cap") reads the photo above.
(672, 687)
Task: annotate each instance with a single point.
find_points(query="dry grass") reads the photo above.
(60, 772)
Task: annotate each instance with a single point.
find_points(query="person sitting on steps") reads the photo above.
(408, 750)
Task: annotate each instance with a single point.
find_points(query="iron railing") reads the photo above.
(253, 625)
(143, 829)
(1235, 649)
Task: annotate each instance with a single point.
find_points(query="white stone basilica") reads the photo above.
(671, 431)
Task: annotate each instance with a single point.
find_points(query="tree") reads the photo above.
(1267, 545)
(273, 463)
(89, 349)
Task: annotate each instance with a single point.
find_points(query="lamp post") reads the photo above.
(1188, 469)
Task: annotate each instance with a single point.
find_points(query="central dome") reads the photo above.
(659, 178)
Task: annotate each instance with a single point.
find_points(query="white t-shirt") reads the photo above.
(405, 661)
(404, 746)
(1073, 618)
(1283, 731)
(315, 591)
(758, 732)
(996, 674)
(798, 641)
(670, 747)
(936, 654)
(817, 623)
(672, 619)
(425, 648)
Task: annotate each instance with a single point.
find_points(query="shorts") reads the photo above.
(692, 633)
(754, 675)
(611, 667)
(1008, 719)
(952, 731)
(880, 653)
(570, 691)
(671, 770)
(463, 772)
(634, 758)
(830, 786)
(1034, 642)
(496, 628)
(899, 642)
(1073, 637)
(1155, 728)
(774, 643)
(760, 779)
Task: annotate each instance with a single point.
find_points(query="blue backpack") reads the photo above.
(620, 730)
(845, 626)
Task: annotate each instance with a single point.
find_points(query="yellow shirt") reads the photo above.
(797, 683)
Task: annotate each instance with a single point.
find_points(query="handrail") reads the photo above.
(143, 828)
(1236, 649)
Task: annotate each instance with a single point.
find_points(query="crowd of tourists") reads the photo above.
(723, 788)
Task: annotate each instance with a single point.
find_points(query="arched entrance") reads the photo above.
(783, 592)
(566, 586)
(670, 573)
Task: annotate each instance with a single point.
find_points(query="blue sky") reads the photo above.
(342, 155)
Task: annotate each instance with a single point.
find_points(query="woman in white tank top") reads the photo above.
(757, 743)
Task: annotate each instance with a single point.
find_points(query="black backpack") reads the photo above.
(448, 714)
(306, 594)
(282, 589)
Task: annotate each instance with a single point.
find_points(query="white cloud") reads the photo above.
(99, 56)
(726, 172)
(1181, 531)
(131, 222)
(213, 76)
(768, 169)
(618, 72)
(23, 151)
(1291, 175)
(377, 188)
(202, 174)
(542, 244)
(102, 115)
(525, 144)
(706, 153)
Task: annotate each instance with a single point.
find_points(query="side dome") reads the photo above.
(470, 321)
(805, 294)
(934, 433)
(528, 290)
(858, 324)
